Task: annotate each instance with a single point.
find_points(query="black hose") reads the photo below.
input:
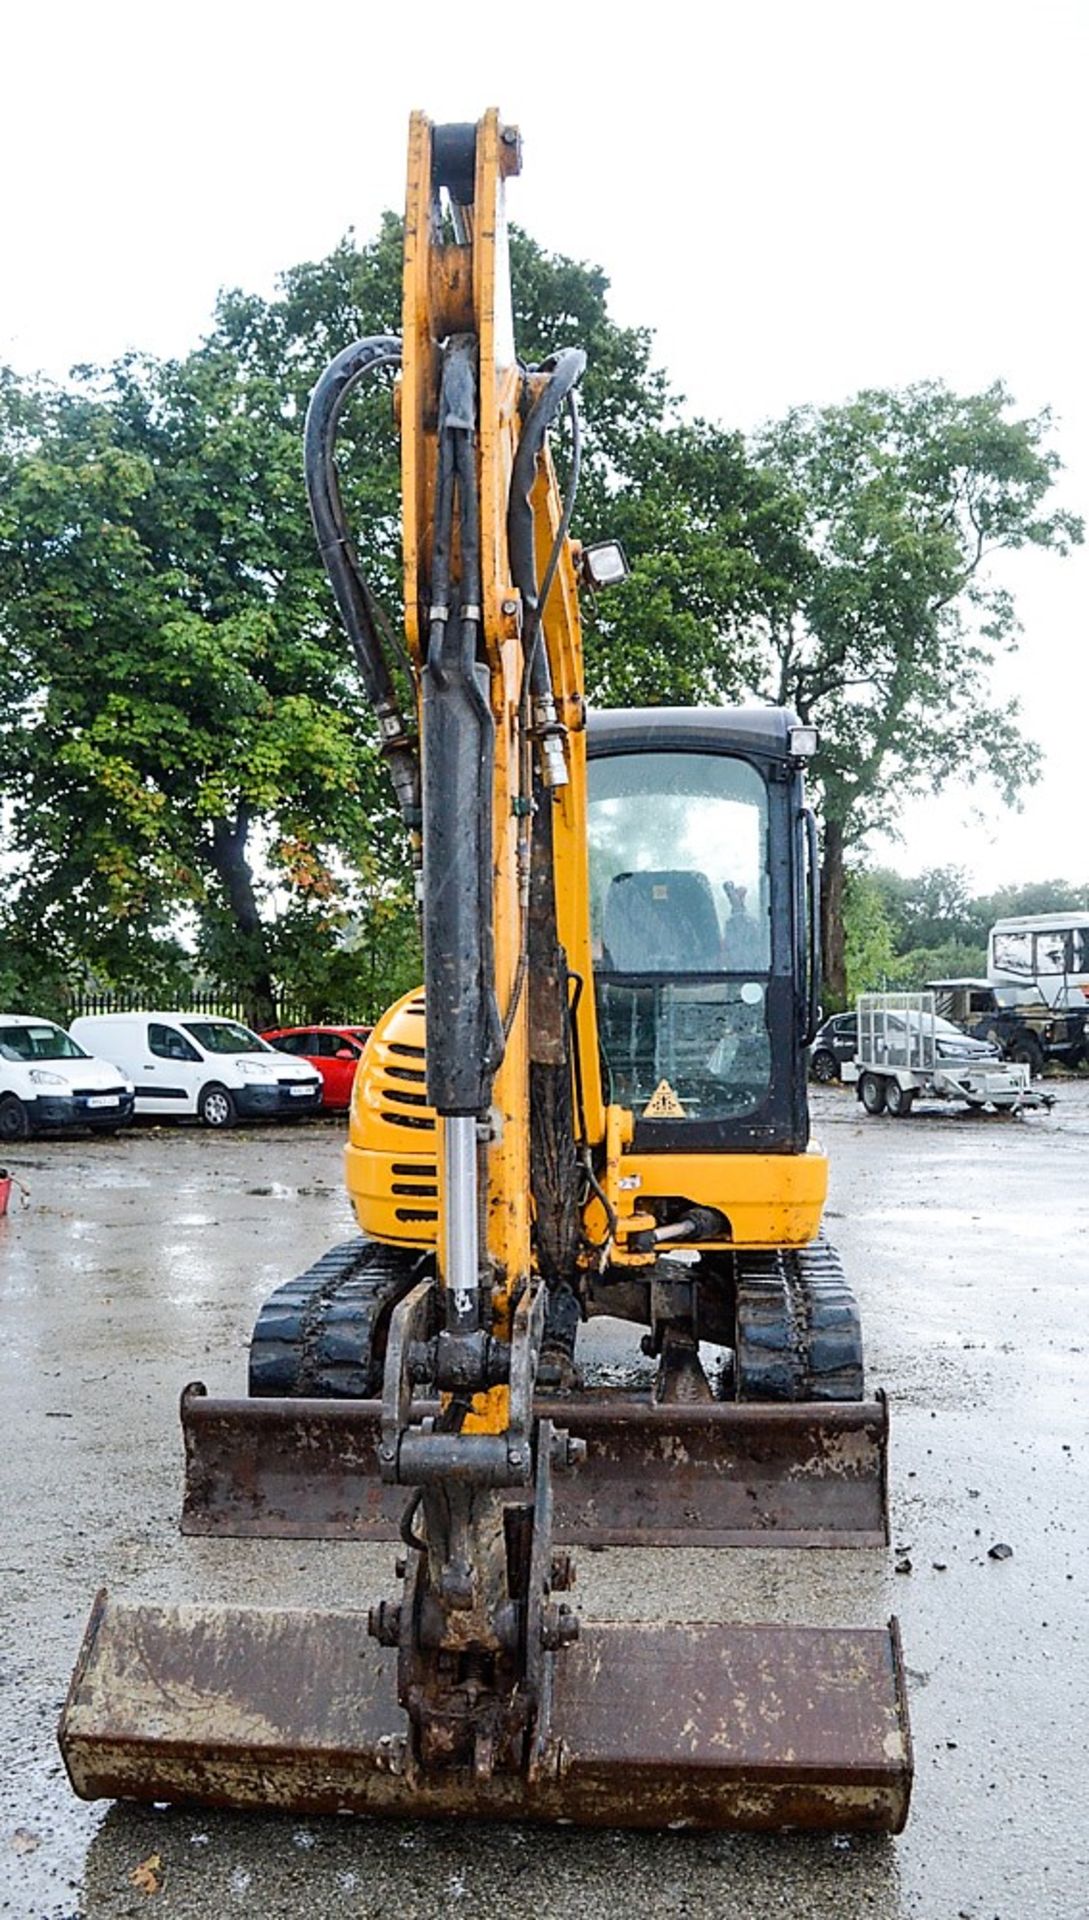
(561, 531)
(358, 609)
(566, 371)
(572, 1015)
(813, 998)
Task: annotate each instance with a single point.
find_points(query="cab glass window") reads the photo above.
(1013, 953)
(681, 929)
(292, 1042)
(226, 1036)
(43, 1041)
(166, 1043)
(678, 864)
(1051, 955)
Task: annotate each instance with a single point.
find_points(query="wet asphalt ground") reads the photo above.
(139, 1263)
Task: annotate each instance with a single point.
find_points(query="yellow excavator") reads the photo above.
(596, 1106)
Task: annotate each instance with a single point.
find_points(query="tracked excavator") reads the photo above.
(595, 1106)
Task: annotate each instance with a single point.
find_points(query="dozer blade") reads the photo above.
(718, 1475)
(651, 1726)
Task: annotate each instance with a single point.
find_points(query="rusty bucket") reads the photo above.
(659, 1725)
(811, 1474)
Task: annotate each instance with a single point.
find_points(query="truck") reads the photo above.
(1018, 1019)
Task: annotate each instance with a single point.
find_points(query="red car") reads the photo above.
(334, 1051)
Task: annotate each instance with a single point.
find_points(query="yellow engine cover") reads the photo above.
(390, 1164)
(770, 1200)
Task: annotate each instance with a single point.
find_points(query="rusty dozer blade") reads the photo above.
(652, 1726)
(806, 1475)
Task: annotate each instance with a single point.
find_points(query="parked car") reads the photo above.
(48, 1080)
(188, 1063)
(833, 1043)
(950, 1041)
(334, 1051)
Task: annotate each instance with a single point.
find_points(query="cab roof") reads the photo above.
(763, 730)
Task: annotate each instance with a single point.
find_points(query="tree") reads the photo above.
(183, 739)
(902, 931)
(937, 908)
(708, 538)
(887, 637)
(1035, 897)
(166, 637)
(869, 935)
(949, 960)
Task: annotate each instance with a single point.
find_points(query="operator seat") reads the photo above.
(661, 922)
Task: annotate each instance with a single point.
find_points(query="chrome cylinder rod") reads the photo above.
(461, 1216)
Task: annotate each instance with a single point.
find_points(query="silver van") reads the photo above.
(184, 1064)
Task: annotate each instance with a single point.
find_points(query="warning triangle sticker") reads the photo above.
(663, 1103)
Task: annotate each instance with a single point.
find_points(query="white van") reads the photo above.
(47, 1080)
(196, 1063)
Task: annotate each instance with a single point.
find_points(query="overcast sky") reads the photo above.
(800, 200)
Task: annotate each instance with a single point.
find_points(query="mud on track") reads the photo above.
(140, 1263)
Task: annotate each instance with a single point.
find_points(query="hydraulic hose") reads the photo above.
(566, 371)
(813, 969)
(358, 609)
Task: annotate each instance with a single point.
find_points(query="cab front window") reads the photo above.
(681, 927)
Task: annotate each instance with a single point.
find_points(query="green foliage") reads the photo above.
(177, 683)
(31, 981)
(869, 936)
(887, 642)
(937, 910)
(887, 636)
(703, 531)
(1037, 896)
(183, 743)
(950, 960)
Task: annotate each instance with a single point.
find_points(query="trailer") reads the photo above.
(906, 1052)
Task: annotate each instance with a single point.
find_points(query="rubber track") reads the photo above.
(799, 1335)
(315, 1337)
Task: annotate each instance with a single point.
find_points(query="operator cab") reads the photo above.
(702, 957)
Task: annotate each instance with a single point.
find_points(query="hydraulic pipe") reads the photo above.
(357, 607)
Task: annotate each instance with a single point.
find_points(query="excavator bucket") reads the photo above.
(663, 1724)
(715, 1474)
(751, 1727)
